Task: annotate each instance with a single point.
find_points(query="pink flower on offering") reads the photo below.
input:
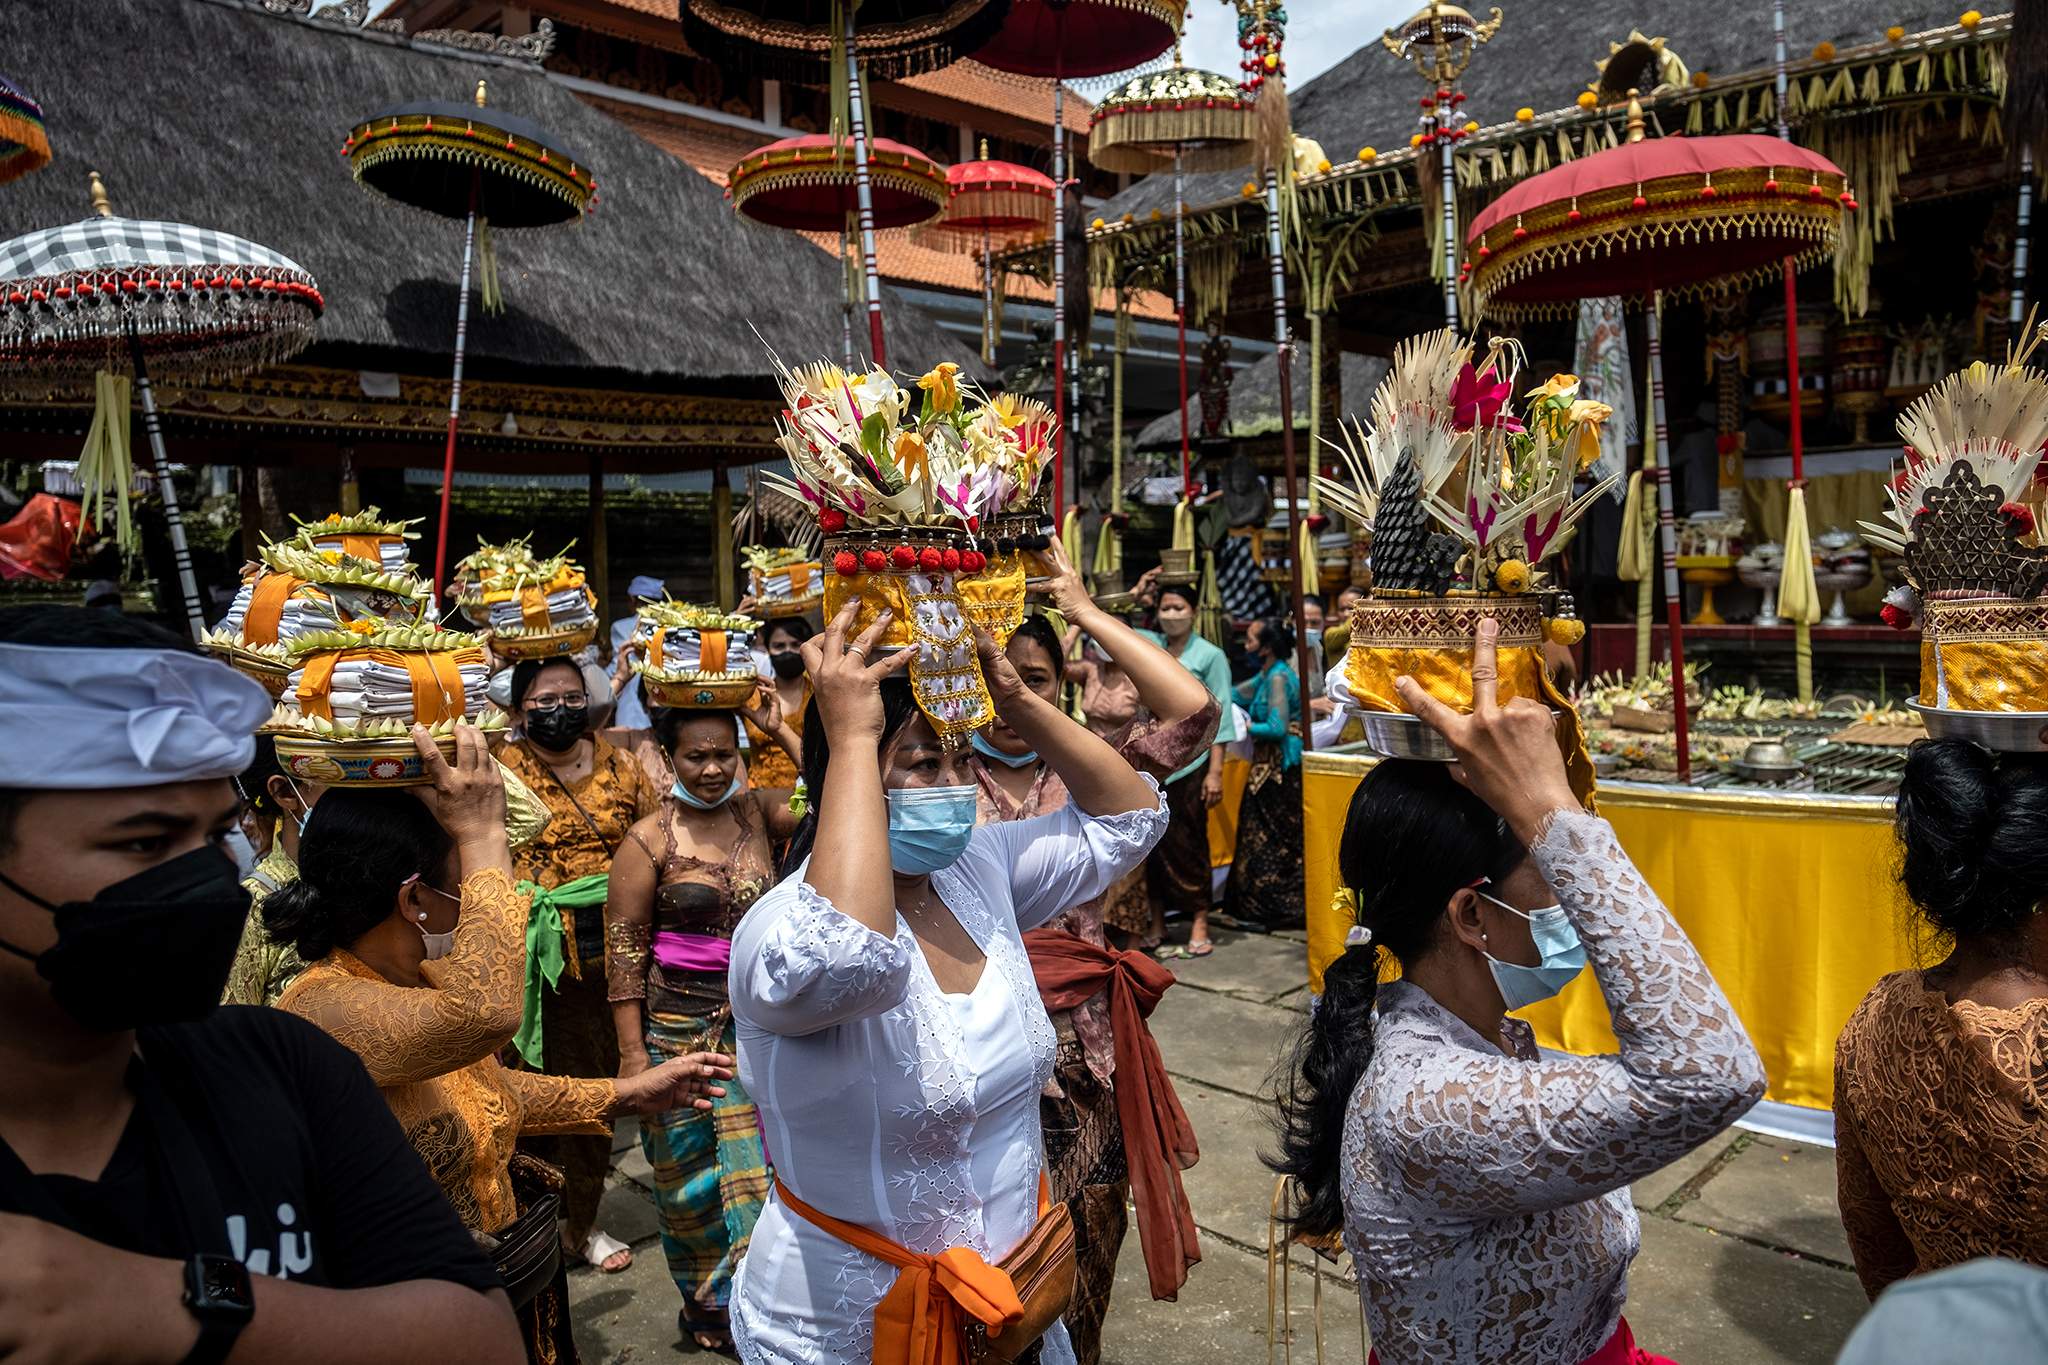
(1537, 538)
(1482, 527)
(1477, 402)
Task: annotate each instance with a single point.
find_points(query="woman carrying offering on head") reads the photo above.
(892, 1033)
(1482, 1186)
(263, 966)
(405, 913)
(1086, 1141)
(1941, 1099)
(679, 886)
(594, 793)
(1264, 888)
(770, 762)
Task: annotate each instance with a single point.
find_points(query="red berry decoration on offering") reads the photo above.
(903, 557)
(951, 560)
(2019, 514)
(974, 561)
(1897, 617)
(846, 563)
(931, 559)
(831, 520)
(874, 561)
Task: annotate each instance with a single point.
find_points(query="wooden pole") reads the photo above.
(599, 563)
(1278, 262)
(722, 561)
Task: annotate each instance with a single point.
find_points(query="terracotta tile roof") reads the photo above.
(971, 83)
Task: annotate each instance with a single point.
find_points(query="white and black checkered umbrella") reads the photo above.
(197, 301)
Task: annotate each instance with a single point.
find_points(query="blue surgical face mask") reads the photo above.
(1563, 957)
(1315, 639)
(690, 798)
(929, 827)
(990, 751)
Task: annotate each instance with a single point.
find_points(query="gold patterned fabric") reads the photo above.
(431, 1049)
(1987, 655)
(1941, 1131)
(263, 967)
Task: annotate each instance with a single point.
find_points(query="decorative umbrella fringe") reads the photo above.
(890, 52)
(804, 177)
(181, 341)
(1743, 280)
(568, 191)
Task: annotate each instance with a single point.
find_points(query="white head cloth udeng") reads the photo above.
(101, 719)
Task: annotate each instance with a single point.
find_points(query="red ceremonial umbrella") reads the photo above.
(1679, 216)
(990, 204)
(1061, 38)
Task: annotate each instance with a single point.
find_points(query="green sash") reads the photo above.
(544, 959)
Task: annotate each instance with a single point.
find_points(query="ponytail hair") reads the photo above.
(1413, 838)
(360, 847)
(899, 705)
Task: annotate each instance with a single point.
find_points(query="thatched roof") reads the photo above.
(1255, 401)
(216, 113)
(1541, 58)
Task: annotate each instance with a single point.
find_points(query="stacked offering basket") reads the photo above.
(697, 657)
(526, 607)
(353, 696)
(785, 582)
(293, 591)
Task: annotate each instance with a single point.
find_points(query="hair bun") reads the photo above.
(1974, 828)
(294, 915)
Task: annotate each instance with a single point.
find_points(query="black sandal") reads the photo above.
(694, 1330)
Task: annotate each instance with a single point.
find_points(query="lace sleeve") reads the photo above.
(561, 1104)
(1062, 859)
(800, 964)
(1154, 747)
(1877, 1242)
(1490, 1135)
(471, 1009)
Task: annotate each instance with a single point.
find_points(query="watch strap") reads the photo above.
(216, 1338)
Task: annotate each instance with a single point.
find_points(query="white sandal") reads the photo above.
(601, 1247)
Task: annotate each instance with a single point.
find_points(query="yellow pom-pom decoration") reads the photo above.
(1415, 140)
(1098, 225)
(1564, 630)
(1471, 125)
(1157, 215)
(1895, 34)
(1971, 18)
(1130, 218)
(1587, 99)
(1366, 155)
(1823, 51)
(1322, 167)
(1512, 577)
(1524, 114)
(1272, 61)
(1701, 80)
(1249, 189)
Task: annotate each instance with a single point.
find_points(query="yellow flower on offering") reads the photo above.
(368, 625)
(1557, 386)
(910, 453)
(942, 382)
(330, 556)
(1512, 577)
(1007, 409)
(1585, 417)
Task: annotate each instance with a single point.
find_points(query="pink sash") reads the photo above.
(698, 953)
(1621, 1349)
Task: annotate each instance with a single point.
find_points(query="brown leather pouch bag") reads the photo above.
(1042, 1268)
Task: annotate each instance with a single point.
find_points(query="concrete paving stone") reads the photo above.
(630, 1316)
(625, 1133)
(1705, 1299)
(1778, 1192)
(1222, 1039)
(1296, 999)
(1257, 966)
(1230, 1189)
(631, 1164)
(626, 1211)
(1653, 1190)
(1220, 1316)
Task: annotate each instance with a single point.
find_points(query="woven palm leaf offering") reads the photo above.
(1965, 515)
(926, 500)
(525, 607)
(785, 581)
(1464, 501)
(354, 694)
(363, 535)
(697, 657)
(294, 590)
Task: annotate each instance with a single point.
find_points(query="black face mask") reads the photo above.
(154, 948)
(787, 666)
(557, 728)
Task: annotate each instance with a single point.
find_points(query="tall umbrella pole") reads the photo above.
(1059, 290)
(174, 518)
(989, 337)
(1667, 529)
(1180, 318)
(1447, 174)
(864, 197)
(1276, 255)
(1805, 603)
(455, 392)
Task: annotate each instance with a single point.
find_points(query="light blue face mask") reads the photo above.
(929, 828)
(1315, 639)
(1563, 957)
(690, 798)
(990, 751)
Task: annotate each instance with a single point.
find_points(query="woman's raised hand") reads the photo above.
(1507, 754)
(766, 712)
(1063, 585)
(468, 793)
(846, 678)
(1005, 688)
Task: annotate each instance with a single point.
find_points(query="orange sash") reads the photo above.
(314, 681)
(918, 1320)
(266, 607)
(364, 547)
(654, 647)
(533, 608)
(711, 651)
(436, 682)
(798, 577)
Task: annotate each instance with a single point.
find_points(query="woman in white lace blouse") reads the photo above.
(889, 1027)
(1483, 1187)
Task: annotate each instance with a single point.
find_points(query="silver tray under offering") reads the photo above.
(2006, 732)
(1392, 734)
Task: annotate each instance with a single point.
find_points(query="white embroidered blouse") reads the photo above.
(1486, 1197)
(886, 1102)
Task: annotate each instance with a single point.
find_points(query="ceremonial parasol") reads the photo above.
(24, 145)
(1062, 38)
(990, 204)
(814, 42)
(1679, 216)
(97, 296)
(485, 167)
(1204, 122)
(810, 184)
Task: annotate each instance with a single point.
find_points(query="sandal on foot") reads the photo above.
(601, 1250)
(713, 1334)
(1202, 949)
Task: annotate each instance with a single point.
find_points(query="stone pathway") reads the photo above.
(1743, 1260)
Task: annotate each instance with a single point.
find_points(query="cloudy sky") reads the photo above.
(1320, 33)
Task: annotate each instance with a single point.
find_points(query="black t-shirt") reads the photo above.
(309, 1169)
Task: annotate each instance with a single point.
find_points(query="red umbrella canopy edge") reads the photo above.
(807, 183)
(1079, 38)
(793, 40)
